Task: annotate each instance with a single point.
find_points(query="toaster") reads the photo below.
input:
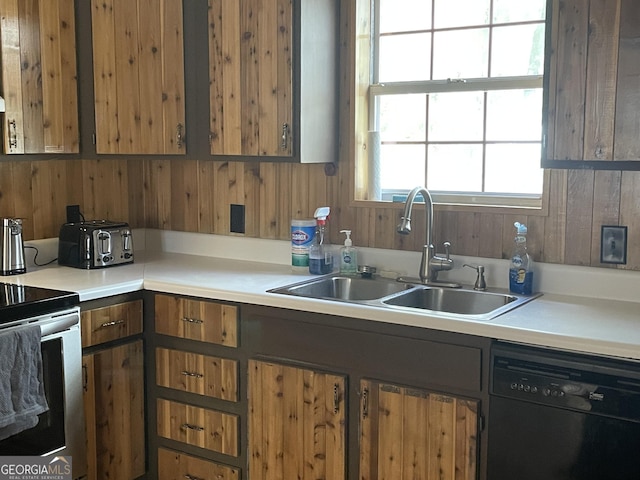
(95, 244)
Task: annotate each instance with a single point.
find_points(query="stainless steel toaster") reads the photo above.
(95, 244)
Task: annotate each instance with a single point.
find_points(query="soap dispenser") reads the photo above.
(348, 256)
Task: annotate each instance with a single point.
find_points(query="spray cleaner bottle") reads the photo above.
(521, 270)
(320, 254)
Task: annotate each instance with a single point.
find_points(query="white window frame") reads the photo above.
(375, 90)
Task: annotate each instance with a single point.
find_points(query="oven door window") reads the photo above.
(48, 435)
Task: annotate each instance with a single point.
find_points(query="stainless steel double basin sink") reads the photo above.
(387, 293)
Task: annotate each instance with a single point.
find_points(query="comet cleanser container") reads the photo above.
(302, 235)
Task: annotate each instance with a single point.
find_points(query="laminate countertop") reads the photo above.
(570, 322)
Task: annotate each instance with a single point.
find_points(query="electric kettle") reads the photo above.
(12, 247)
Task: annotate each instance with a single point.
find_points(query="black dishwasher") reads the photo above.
(559, 416)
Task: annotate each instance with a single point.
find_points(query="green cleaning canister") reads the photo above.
(302, 236)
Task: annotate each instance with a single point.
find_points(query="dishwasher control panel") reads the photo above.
(583, 383)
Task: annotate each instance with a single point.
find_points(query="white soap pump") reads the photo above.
(348, 256)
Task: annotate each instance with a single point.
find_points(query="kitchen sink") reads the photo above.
(456, 301)
(345, 288)
(391, 294)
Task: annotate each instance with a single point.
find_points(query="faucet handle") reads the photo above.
(447, 246)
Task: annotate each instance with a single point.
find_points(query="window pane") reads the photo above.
(517, 50)
(401, 166)
(402, 117)
(519, 11)
(456, 116)
(405, 57)
(404, 15)
(514, 115)
(513, 168)
(455, 168)
(461, 13)
(461, 54)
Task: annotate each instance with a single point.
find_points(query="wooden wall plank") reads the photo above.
(606, 208)
(31, 76)
(172, 96)
(250, 198)
(627, 146)
(579, 217)
(149, 65)
(629, 208)
(104, 76)
(157, 188)
(125, 42)
(284, 77)
(555, 223)
(601, 85)
(569, 121)
(250, 77)
(184, 195)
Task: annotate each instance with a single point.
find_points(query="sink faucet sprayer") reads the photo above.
(431, 263)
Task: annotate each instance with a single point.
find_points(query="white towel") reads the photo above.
(22, 396)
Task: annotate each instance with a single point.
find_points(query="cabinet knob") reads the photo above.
(180, 135)
(13, 134)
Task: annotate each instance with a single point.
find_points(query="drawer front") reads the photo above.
(202, 374)
(178, 466)
(201, 427)
(105, 324)
(200, 320)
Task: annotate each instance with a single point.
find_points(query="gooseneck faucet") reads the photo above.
(431, 263)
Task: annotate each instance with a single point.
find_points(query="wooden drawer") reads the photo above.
(200, 427)
(202, 374)
(178, 466)
(201, 320)
(111, 323)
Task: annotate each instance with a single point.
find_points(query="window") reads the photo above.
(455, 100)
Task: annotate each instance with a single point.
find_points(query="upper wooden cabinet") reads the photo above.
(39, 76)
(138, 68)
(593, 75)
(272, 77)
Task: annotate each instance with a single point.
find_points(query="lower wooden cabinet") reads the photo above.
(412, 434)
(114, 409)
(114, 401)
(174, 465)
(297, 423)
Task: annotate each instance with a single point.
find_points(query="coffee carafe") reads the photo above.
(12, 247)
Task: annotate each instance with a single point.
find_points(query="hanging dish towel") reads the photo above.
(22, 396)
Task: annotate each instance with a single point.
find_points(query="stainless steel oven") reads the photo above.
(61, 429)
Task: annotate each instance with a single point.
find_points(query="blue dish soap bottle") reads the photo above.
(521, 270)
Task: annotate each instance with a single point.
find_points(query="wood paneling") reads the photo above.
(195, 196)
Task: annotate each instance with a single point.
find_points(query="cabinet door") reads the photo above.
(250, 76)
(415, 434)
(109, 323)
(296, 423)
(39, 76)
(593, 75)
(138, 68)
(114, 409)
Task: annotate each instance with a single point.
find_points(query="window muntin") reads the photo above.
(456, 103)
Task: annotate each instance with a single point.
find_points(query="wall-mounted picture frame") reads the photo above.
(613, 244)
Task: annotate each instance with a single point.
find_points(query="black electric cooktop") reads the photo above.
(19, 302)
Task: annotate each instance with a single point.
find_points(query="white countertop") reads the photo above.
(571, 322)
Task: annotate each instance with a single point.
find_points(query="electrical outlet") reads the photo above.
(237, 218)
(73, 213)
